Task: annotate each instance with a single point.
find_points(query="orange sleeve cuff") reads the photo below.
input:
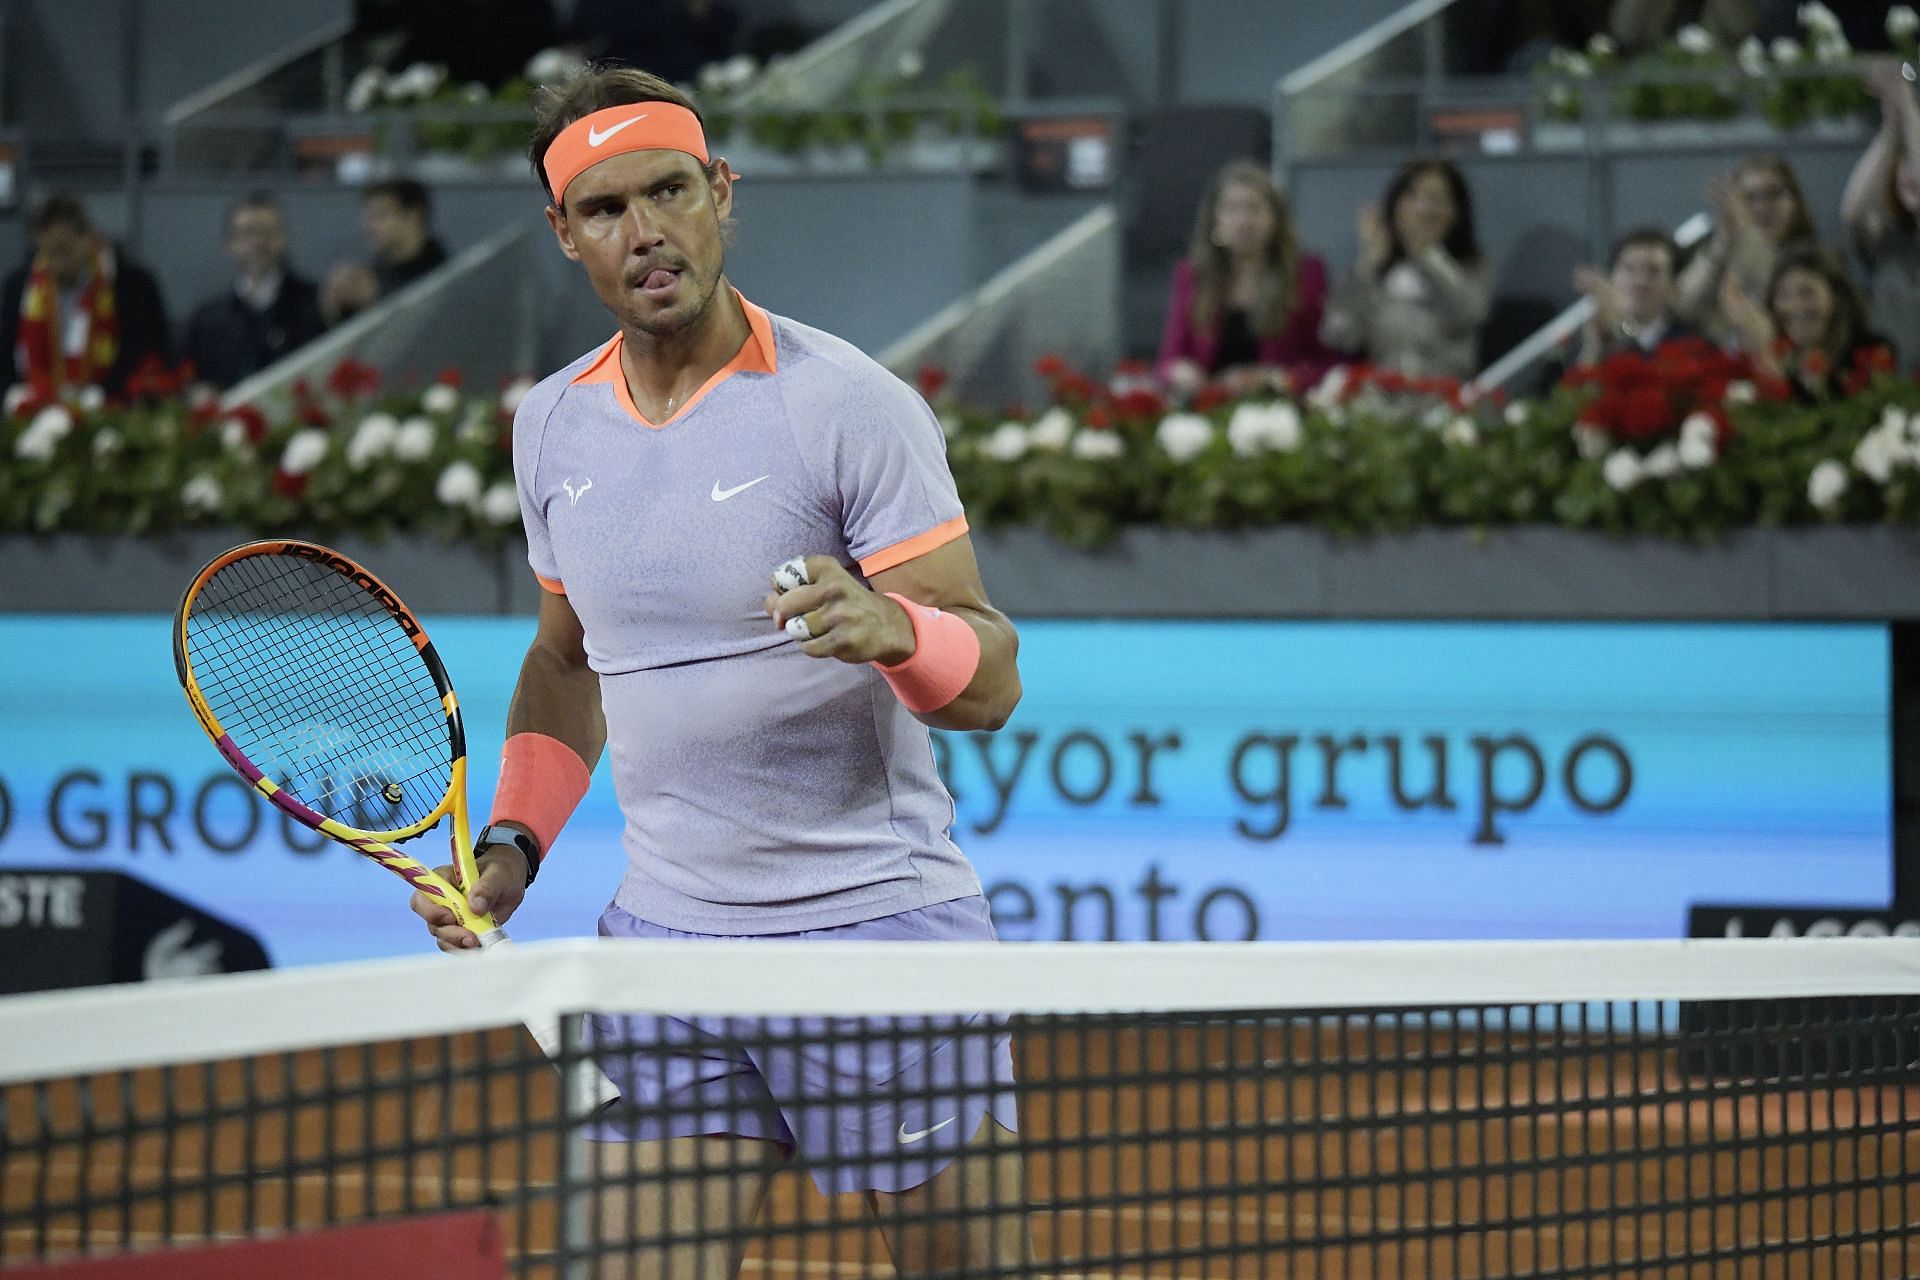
(542, 781)
(918, 545)
(554, 585)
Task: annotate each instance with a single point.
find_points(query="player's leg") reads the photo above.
(709, 1188)
(971, 1216)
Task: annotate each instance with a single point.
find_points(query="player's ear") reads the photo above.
(557, 219)
(720, 181)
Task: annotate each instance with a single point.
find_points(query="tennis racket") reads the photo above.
(322, 690)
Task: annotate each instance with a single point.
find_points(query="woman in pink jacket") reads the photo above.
(1245, 299)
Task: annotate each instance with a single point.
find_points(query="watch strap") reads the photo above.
(494, 834)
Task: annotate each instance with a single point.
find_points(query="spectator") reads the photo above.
(1814, 331)
(80, 313)
(671, 38)
(1245, 297)
(1881, 211)
(1759, 213)
(1633, 301)
(396, 218)
(1420, 289)
(268, 312)
(1639, 25)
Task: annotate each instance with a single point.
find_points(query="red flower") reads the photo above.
(1140, 404)
(1815, 363)
(1075, 387)
(251, 420)
(1050, 365)
(352, 379)
(932, 379)
(449, 377)
(288, 485)
(1210, 397)
(1644, 412)
(1877, 358)
(1099, 417)
(1132, 369)
(312, 415)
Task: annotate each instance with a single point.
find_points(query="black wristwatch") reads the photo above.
(492, 834)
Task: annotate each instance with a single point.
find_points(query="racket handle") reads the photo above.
(588, 1088)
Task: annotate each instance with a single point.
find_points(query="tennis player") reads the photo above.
(776, 776)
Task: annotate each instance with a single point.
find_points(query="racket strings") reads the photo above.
(322, 689)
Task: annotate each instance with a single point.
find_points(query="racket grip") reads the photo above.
(587, 1087)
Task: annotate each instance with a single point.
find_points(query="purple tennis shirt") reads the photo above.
(763, 791)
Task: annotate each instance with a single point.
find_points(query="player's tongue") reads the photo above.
(659, 278)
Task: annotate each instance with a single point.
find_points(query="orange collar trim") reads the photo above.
(756, 355)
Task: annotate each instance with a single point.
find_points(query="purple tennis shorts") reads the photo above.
(867, 1104)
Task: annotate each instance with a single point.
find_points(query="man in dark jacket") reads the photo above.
(267, 313)
(80, 313)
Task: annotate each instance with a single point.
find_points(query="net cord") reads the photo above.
(51, 1034)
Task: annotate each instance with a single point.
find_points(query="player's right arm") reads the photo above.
(557, 695)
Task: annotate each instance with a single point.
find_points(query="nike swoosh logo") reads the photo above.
(721, 495)
(596, 136)
(907, 1137)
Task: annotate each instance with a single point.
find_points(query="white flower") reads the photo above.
(365, 89)
(1786, 51)
(233, 435)
(1893, 421)
(1460, 433)
(1517, 414)
(106, 443)
(1752, 56)
(371, 440)
(1742, 392)
(500, 504)
(1696, 452)
(1621, 470)
(1575, 64)
(739, 70)
(911, 64)
(304, 451)
(950, 424)
(1602, 46)
(1326, 393)
(1008, 443)
(1097, 445)
(515, 392)
(414, 440)
(1874, 458)
(53, 421)
(440, 398)
(202, 493)
(551, 66)
(92, 400)
(420, 81)
(475, 426)
(1694, 38)
(1825, 485)
(1436, 417)
(17, 394)
(712, 78)
(1183, 435)
(1257, 428)
(1054, 430)
(1590, 442)
(1662, 461)
(1818, 18)
(1829, 50)
(1903, 22)
(459, 485)
(475, 93)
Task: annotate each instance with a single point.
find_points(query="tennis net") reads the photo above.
(1711, 1108)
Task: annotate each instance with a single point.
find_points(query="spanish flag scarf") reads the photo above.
(43, 353)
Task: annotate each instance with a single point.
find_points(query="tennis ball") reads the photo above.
(791, 574)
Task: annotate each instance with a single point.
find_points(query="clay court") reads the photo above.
(1279, 1149)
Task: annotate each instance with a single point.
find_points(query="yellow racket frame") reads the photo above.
(377, 845)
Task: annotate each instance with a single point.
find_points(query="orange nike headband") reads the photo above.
(634, 126)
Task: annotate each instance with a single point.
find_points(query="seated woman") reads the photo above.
(1420, 289)
(1759, 212)
(1814, 331)
(1881, 210)
(1245, 297)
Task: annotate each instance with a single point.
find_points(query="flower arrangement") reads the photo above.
(1690, 444)
(740, 99)
(1693, 77)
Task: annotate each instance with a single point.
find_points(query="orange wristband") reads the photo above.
(542, 781)
(946, 654)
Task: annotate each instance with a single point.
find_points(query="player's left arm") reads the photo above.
(857, 623)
